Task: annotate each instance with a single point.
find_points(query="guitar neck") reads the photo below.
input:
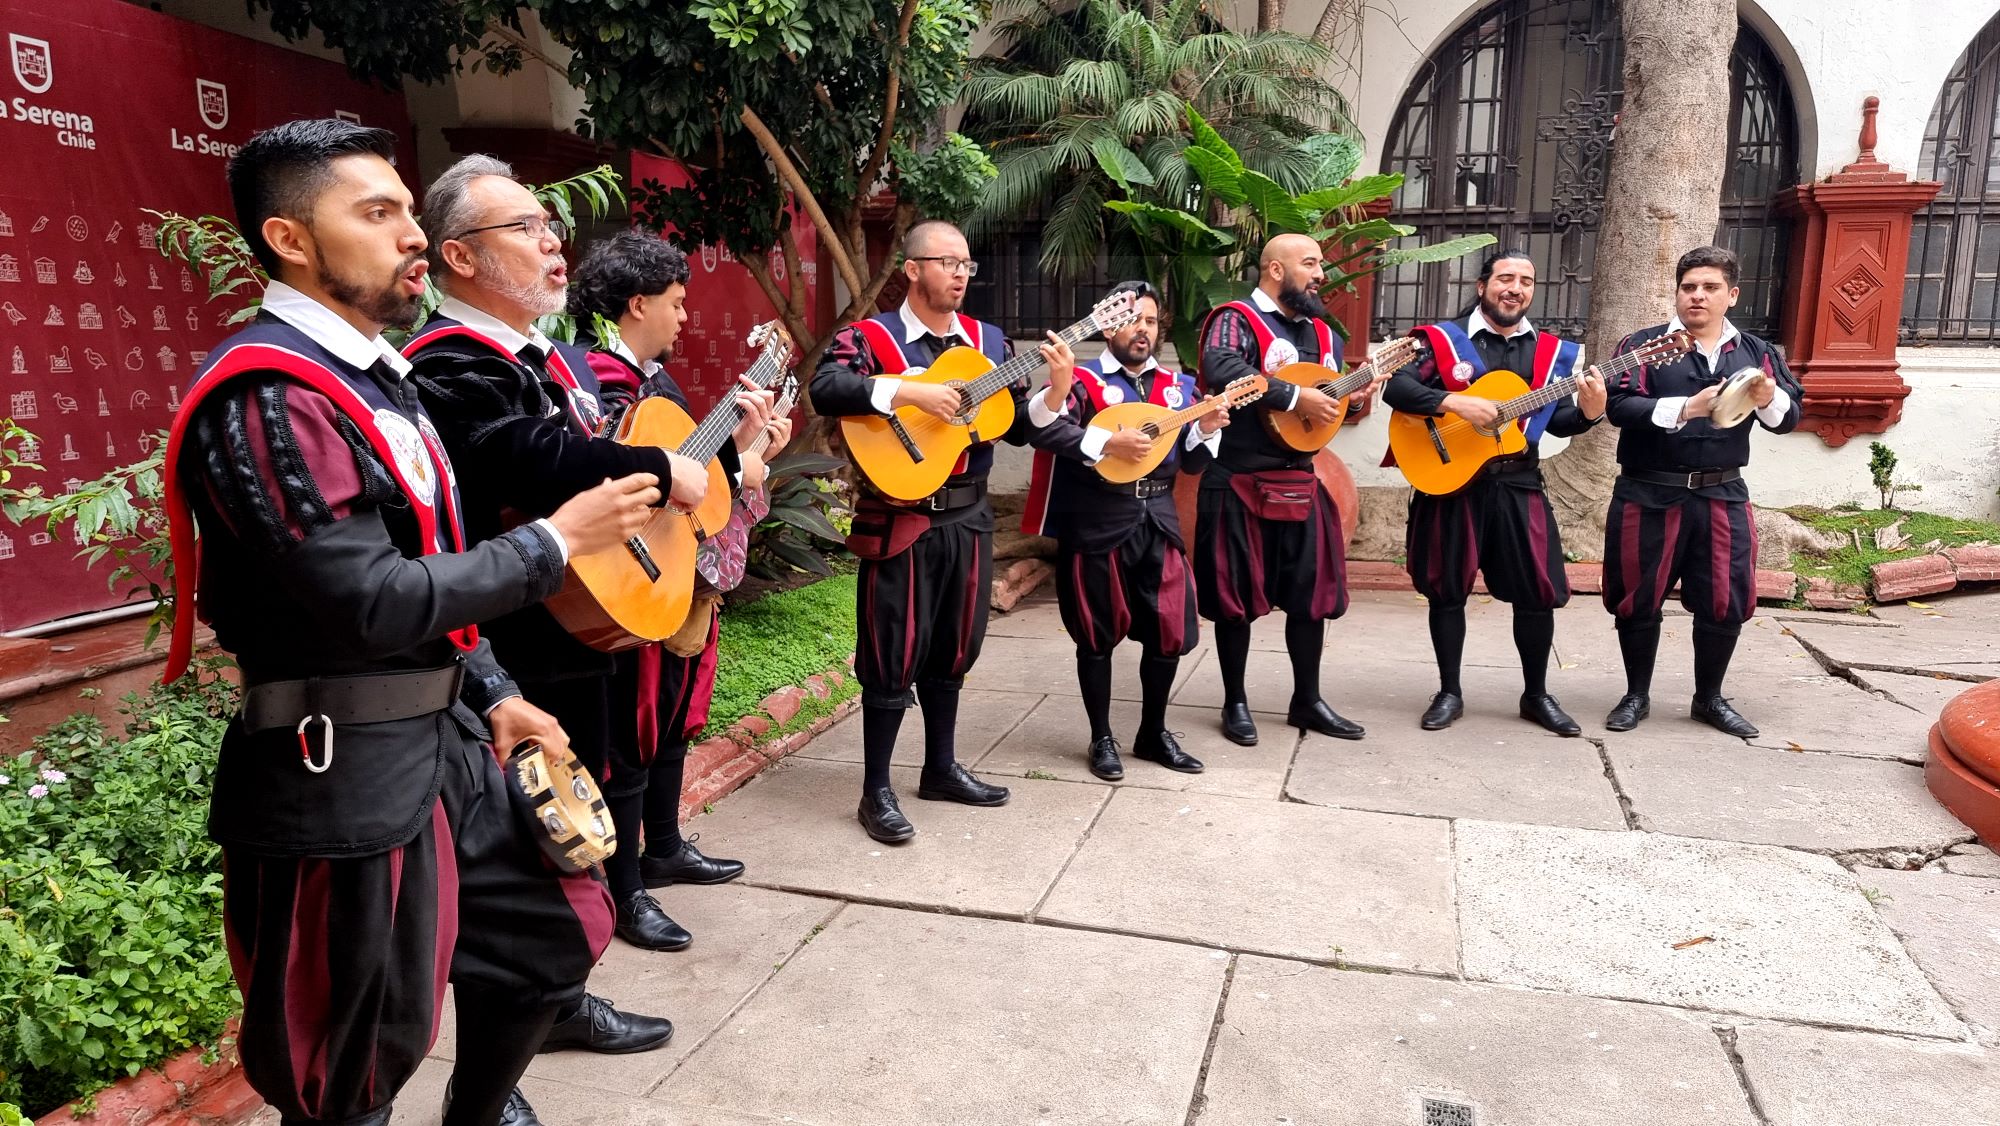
(1171, 422)
(714, 430)
(1522, 406)
(1358, 378)
(983, 388)
(784, 407)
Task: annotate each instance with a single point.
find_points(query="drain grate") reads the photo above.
(1439, 1112)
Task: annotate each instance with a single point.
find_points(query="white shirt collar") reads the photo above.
(1109, 365)
(1268, 303)
(913, 328)
(329, 330)
(1729, 333)
(1477, 323)
(624, 351)
(492, 327)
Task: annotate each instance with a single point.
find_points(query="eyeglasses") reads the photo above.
(534, 227)
(951, 264)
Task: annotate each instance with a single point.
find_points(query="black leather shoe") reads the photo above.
(642, 923)
(687, 865)
(515, 1112)
(1237, 726)
(958, 784)
(1316, 716)
(883, 818)
(1543, 708)
(1629, 710)
(597, 1027)
(1164, 749)
(1104, 759)
(1716, 712)
(1444, 711)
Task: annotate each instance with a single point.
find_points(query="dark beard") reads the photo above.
(1498, 319)
(940, 298)
(388, 306)
(1301, 301)
(1131, 359)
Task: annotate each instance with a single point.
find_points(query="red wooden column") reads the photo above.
(1356, 310)
(1848, 257)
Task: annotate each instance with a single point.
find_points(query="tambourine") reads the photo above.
(1737, 398)
(562, 803)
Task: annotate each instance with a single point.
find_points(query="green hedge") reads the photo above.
(776, 641)
(111, 951)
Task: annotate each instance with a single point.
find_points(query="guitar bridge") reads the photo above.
(644, 555)
(903, 436)
(1437, 441)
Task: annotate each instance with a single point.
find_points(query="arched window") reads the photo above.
(1953, 289)
(1507, 129)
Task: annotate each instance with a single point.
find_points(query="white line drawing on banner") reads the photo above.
(103, 404)
(64, 403)
(10, 268)
(21, 404)
(212, 99)
(193, 320)
(728, 322)
(197, 358)
(712, 353)
(173, 396)
(709, 258)
(41, 224)
(59, 364)
(777, 261)
(14, 316)
(53, 318)
(135, 359)
(187, 281)
(348, 115)
(78, 229)
(152, 277)
(168, 361)
(96, 361)
(125, 317)
(45, 271)
(139, 399)
(40, 539)
(20, 364)
(69, 452)
(116, 232)
(110, 447)
(160, 319)
(694, 319)
(147, 233)
(6, 225)
(119, 275)
(6, 547)
(34, 62)
(82, 274)
(222, 319)
(87, 316)
(145, 443)
(76, 535)
(31, 449)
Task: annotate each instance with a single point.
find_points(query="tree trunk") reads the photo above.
(1331, 18)
(1662, 198)
(1270, 15)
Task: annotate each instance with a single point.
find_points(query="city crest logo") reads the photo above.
(212, 98)
(34, 63)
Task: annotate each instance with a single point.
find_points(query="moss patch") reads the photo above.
(1852, 564)
(779, 640)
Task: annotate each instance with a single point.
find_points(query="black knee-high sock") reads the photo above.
(621, 868)
(1156, 683)
(1232, 653)
(939, 701)
(664, 779)
(879, 725)
(1448, 642)
(1639, 643)
(1305, 641)
(1534, 636)
(1714, 644)
(1093, 676)
(500, 1037)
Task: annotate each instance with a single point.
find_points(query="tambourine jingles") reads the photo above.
(561, 801)
(1737, 398)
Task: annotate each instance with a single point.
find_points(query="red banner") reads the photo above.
(107, 109)
(724, 302)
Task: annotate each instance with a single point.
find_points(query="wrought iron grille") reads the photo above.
(1014, 292)
(1507, 129)
(1952, 295)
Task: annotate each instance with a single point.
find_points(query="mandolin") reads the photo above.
(1161, 422)
(1442, 454)
(640, 592)
(1303, 434)
(908, 455)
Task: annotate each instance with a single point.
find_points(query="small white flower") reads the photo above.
(4, 780)
(38, 791)
(54, 777)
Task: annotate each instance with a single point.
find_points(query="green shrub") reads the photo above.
(777, 641)
(111, 951)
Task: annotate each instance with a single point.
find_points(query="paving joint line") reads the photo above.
(1726, 1036)
(1035, 911)
(1199, 1100)
(1630, 812)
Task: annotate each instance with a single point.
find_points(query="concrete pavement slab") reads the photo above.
(1823, 713)
(1962, 646)
(795, 828)
(1055, 736)
(1818, 802)
(1304, 1044)
(984, 717)
(1817, 1077)
(1788, 934)
(1039, 665)
(1969, 860)
(421, 1101)
(1038, 617)
(899, 1016)
(1927, 694)
(1951, 926)
(1482, 766)
(1269, 877)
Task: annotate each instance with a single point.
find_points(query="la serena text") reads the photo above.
(73, 130)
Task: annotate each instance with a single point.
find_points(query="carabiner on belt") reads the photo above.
(325, 744)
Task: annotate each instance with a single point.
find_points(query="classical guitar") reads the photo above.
(640, 592)
(908, 455)
(1161, 422)
(1442, 454)
(1303, 434)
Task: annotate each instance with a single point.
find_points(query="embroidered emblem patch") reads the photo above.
(1461, 372)
(437, 447)
(1175, 399)
(413, 461)
(1280, 353)
(1113, 394)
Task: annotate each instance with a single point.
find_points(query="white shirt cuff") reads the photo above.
(562, 545)
(1773, 416)
(1196, 438)
(1094, 441)
(1667, 413)
(1039, 414)
(882, 393)
(1294, 404)
(502, 700)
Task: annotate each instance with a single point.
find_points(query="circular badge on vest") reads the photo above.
(1280, 353)
(586, 407)
(1113, 394)
(1175, 399)
(1461, 372)
(437, 446)
(413, 461)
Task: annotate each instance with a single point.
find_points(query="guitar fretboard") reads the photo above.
(1396, 354)
(1522, 406)
(983, 388)
(784, 407)
(1230, 398)
(714, 430)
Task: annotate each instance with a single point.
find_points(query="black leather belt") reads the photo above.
(1695, 479)
(953, 497)
(1144, 488)
(340, 700)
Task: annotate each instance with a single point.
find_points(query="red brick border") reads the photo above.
(721, 765)
(1584, 578)
(183, 1091)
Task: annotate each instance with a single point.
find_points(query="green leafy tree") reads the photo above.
(1080, 81)
(1199, 261)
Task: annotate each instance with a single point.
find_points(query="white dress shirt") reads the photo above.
(1667, 412)
(882, 388)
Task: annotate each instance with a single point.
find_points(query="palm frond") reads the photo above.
(1075, 230)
